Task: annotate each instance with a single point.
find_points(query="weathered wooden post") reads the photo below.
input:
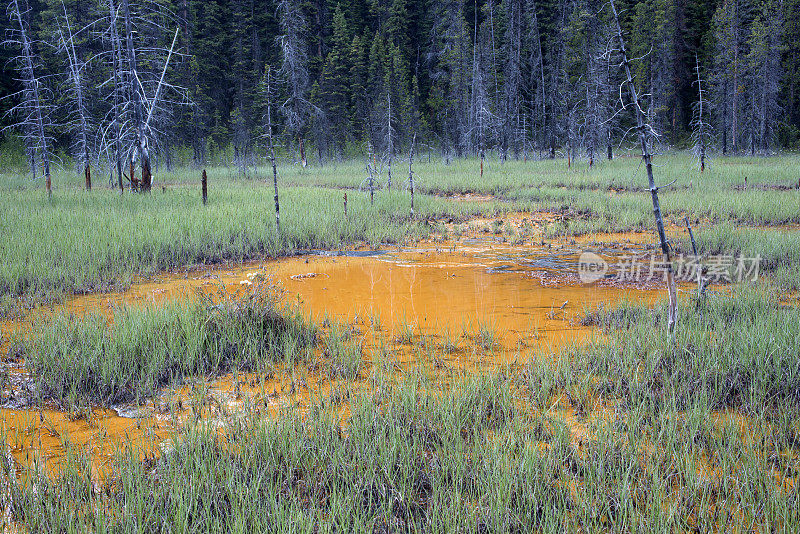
(700, 288)
(204, 186)
(345, 205)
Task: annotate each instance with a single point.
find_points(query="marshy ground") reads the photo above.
(170, 367)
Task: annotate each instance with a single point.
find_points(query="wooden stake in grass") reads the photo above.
(345, 205)
(204, 186)
(644, 128)
(700, 288)
(411, 172)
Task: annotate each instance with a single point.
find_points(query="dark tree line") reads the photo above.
(521, 78)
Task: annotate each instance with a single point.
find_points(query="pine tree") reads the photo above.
(449, 62)
(334, 94)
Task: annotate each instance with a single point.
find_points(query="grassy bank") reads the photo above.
(94, 241)
(638, 431)
(476, 457)
(82, 360)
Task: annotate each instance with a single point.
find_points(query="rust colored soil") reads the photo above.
(480, 302)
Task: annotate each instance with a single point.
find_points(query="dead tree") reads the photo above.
(294, 70)
(644, 131)
(481, 117)
(389, 135)
(143, 108)
(537, 81)
(271, 146)
(137, 95)
(371, 172)
(411, 172)
(512, 116)
(700, 128)
(75, 69)
(114, 117)
(33, 111)
(700, 280)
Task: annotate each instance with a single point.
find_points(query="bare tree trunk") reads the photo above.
(138, 114)
(700, 287)
(116, 50)
(389, 132)
(134, 181)
(35, 120)
(272, 154)
(411, 173)
(701, 125)
(643, 129)
(370, 174)
(75, 74)
(698, 124)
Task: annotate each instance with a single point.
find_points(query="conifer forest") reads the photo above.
(523, 78)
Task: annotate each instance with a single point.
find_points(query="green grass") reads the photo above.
(83, 241)
(495, 451)
(95, 241)
(641, 431)
(82, 360)
(778, 250)
(474, 456)
(737, 351)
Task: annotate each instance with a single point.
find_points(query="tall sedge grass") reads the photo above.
(82, 359)
(92, 241)
(467, 457)
(740, 351)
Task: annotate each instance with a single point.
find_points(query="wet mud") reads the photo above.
(478, 302)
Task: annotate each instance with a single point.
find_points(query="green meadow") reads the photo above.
(636, 430)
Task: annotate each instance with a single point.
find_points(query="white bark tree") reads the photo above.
(294, 69)
(33, 112)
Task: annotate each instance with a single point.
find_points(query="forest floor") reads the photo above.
(169, 366)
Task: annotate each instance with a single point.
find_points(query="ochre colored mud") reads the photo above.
(477, 302)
